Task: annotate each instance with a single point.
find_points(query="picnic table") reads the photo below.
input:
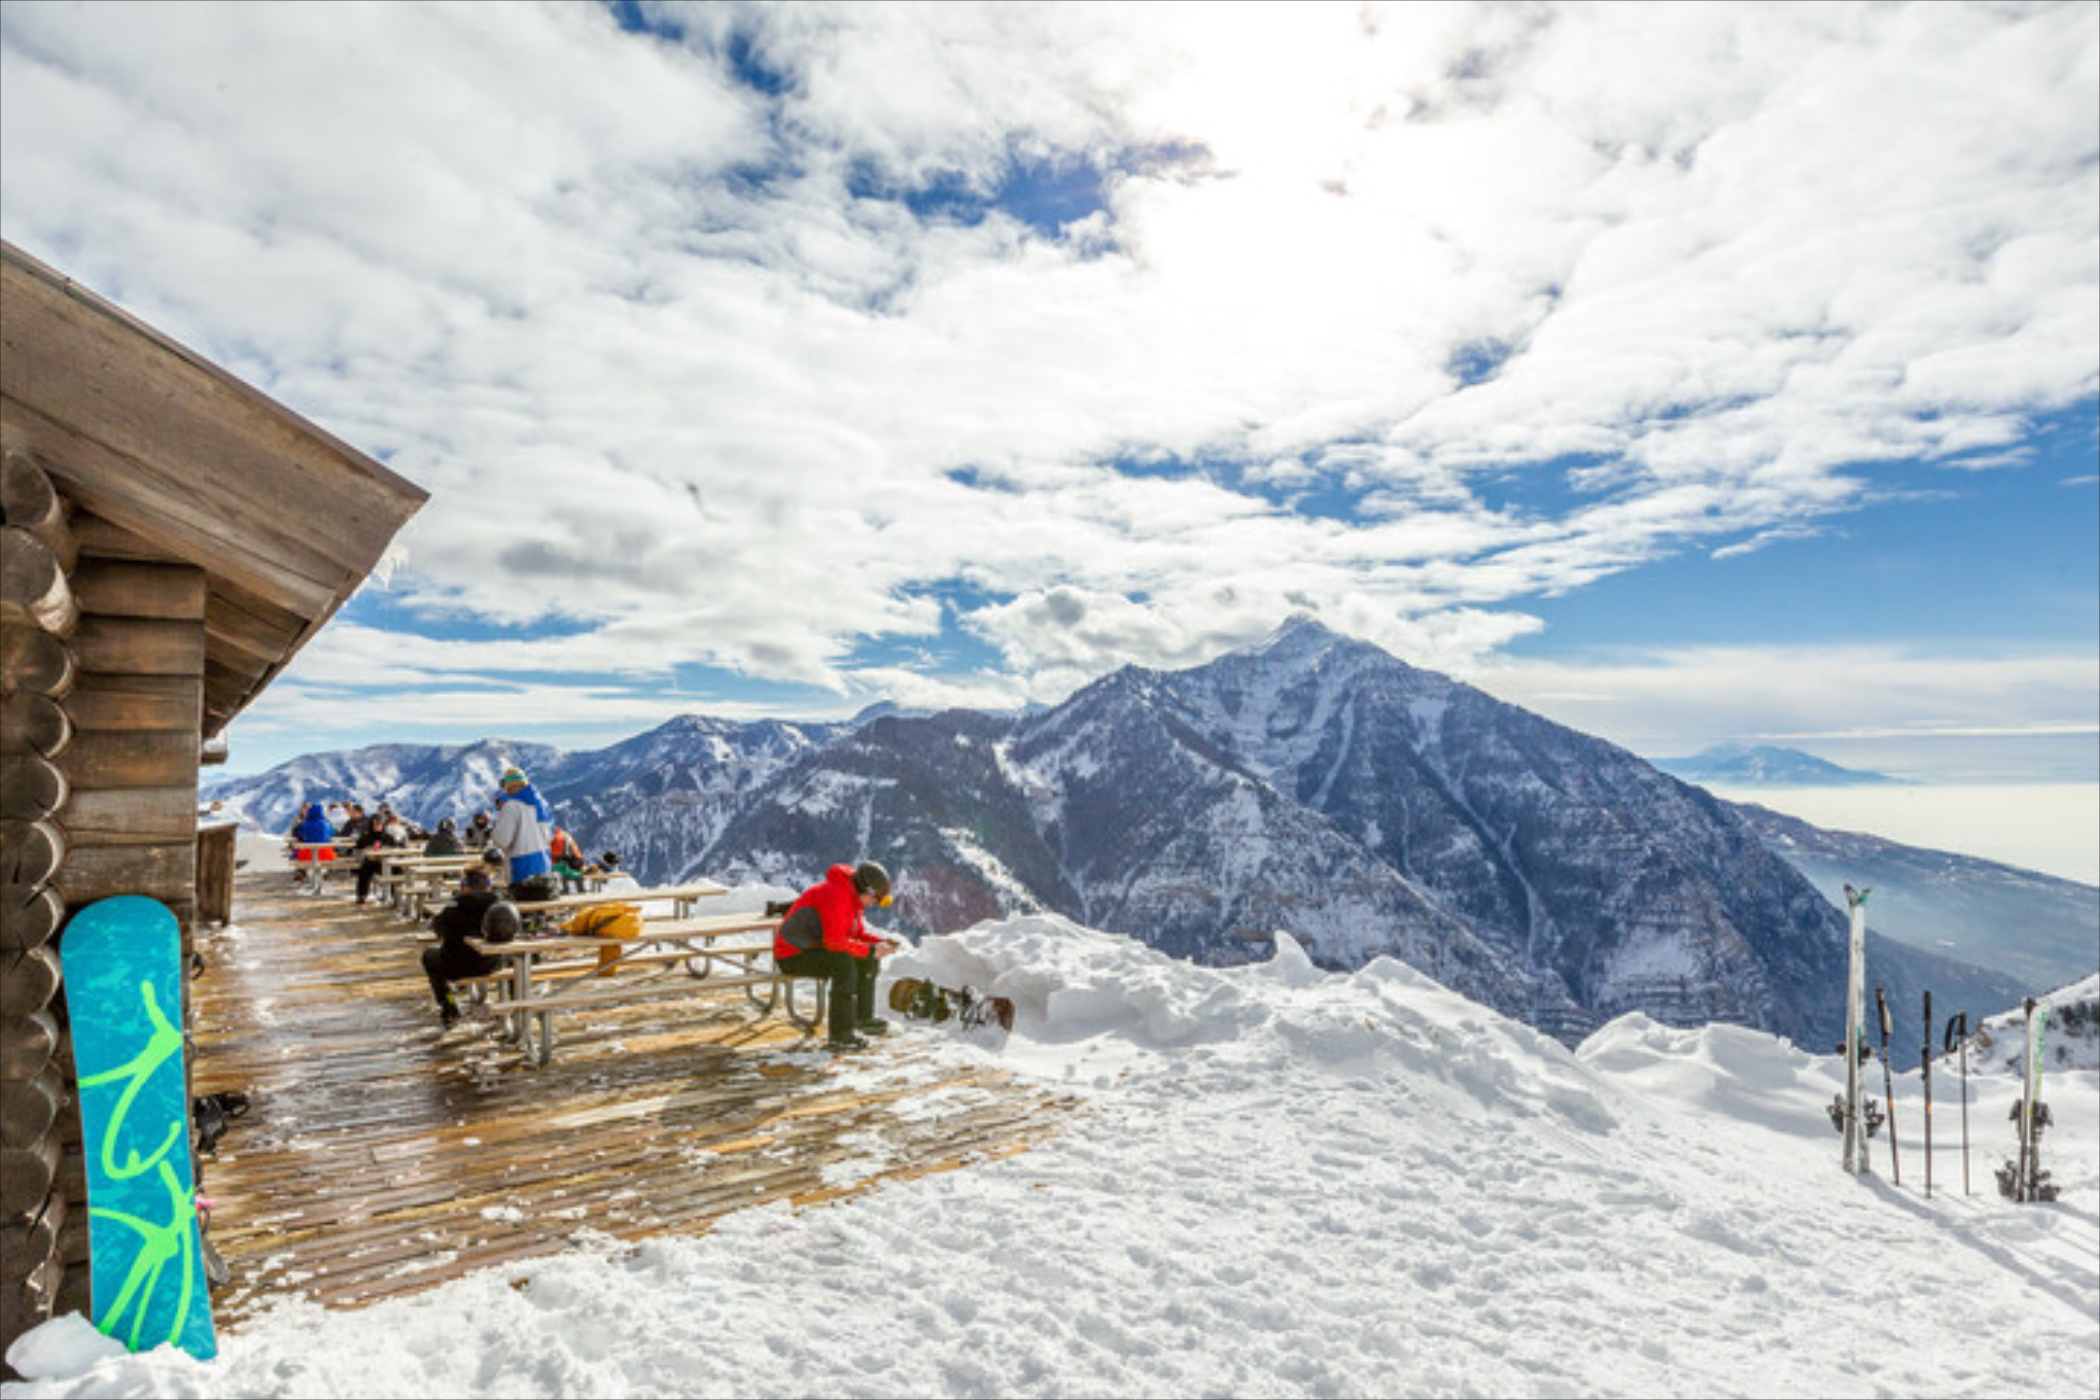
(543, 977)
(409, 877)
(680, 897)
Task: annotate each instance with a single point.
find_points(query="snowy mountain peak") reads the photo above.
(1302, 640)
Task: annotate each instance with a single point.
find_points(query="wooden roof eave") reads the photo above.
(285, 519)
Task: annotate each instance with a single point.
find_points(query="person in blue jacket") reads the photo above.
(523, 823)
(313, 840)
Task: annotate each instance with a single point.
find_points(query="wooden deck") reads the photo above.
(382, 1156)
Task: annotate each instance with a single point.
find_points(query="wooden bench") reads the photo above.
(664, 950)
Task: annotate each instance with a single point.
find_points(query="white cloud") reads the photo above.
(667, 379)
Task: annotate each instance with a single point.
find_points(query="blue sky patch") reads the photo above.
(651, 20)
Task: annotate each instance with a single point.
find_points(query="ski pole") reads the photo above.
(1958, 1034)
(1925, 1058)
(1888, 1086)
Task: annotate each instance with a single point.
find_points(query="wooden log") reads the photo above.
(32, 659)
(36, 1236)
(28, 981)
(28, 501)
(131, 588)
(75, 1293)
(250, 623)
(227, 690)
(32, 787)
(27, 1175)
(33, 587)
(139, 646)
(30, 852)
(105, 539)
(101, 700)
(217, 850)
(166, 872)
(71, 1181)
(116, 758)
(130, 816)
(74, 1245)
(30, 1301)
(29, 1108)
(27, 1044)
(34, 722)
(30, 917)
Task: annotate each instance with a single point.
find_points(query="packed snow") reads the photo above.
(1283, 1181)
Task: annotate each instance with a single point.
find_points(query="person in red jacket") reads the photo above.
(824, 935)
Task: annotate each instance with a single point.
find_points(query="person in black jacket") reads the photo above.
(454, 925)
(445, 842)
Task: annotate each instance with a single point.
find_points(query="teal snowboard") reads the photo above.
(123, 979)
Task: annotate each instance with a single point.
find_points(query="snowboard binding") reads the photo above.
(1870, 1110)
(2024, 1178)
(919, 1000)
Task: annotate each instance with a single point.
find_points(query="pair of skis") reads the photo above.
(2022, 1178)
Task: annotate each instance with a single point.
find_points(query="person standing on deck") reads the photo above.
(825, 935)
(522, 822)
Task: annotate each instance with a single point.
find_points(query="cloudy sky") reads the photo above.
(1686, 372)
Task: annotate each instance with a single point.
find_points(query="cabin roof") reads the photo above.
(199, 466)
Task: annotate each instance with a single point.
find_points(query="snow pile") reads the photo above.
(2070, 1037)
(1287, 1182)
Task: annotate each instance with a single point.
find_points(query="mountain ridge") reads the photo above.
(1312, 783)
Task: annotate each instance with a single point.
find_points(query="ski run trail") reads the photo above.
(1283, 1181)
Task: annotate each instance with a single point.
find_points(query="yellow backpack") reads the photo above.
(606, 921)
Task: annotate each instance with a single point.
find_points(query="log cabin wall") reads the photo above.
(109, 808)
(38, 622)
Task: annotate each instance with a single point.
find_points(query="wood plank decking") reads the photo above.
(381, 1156)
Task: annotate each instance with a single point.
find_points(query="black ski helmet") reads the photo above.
(501, 923)
(871, 878)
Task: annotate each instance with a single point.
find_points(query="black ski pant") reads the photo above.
(852, 993)
(366, 869)
(449, 960)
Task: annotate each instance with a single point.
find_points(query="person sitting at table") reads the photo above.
(616, 879)
(520, 832)
(825, 935)
(454, 925)
(312, 839)
(380, 832)
(476, 835)
(445, 840)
